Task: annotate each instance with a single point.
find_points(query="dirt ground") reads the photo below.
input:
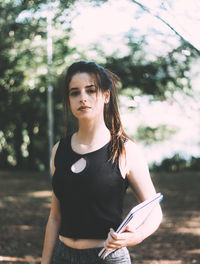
(24, 208)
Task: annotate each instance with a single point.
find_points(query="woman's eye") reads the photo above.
(75, 93)
(91, 91)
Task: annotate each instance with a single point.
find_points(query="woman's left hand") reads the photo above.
(129, 237)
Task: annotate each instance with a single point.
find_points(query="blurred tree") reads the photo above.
(163, 11)
(23, 78)
(150, 135)
(172, 164)
(23, 73)
(161, 76)
(23, 139)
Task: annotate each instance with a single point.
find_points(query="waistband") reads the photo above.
(66, 254)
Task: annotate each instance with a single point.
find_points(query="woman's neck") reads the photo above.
(92, 133)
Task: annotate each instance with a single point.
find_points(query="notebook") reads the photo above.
(138, 214)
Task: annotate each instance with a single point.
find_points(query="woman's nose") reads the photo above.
(83, 97)
(83, 101)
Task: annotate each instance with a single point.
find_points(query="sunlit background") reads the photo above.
(98, 31)
(106, 26)
(154, 46)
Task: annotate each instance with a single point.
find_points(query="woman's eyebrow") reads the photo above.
(73, 88)
(90, 85)
(87, 86)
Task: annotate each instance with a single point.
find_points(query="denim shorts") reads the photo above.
(67, 255)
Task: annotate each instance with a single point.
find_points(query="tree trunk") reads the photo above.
(18, 140)
(31, 163)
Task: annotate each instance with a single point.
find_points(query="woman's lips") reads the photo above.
(82, 108)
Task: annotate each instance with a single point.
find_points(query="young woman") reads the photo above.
(92, 169)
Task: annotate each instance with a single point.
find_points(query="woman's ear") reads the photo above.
(107, 97)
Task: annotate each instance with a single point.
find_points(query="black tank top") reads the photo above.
(90, 201)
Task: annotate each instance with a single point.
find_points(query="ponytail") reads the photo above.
(113, 121)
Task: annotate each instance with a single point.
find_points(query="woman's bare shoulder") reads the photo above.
(132, 147)
(55, 147)
(134, 154)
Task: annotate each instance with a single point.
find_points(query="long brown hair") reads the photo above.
(105, 80)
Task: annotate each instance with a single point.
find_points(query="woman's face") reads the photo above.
(84, 99)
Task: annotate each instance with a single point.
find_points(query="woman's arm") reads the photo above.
(143, 188)
(53, 223)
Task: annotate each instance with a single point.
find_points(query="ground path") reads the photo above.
(25, 202)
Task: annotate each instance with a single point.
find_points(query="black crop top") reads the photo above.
(90, 201)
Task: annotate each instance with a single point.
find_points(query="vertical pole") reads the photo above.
(49, 80)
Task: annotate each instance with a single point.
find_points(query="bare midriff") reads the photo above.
(82, 243)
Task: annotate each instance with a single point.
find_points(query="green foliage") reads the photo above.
(195, 164)
(23, 82)
(150, 135)
(160, 77)
(23, 78)
(176, 164)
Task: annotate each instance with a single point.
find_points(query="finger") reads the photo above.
(113, 246)
(115, 243)
(114, 235)
(130, 228)
(119, 237)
